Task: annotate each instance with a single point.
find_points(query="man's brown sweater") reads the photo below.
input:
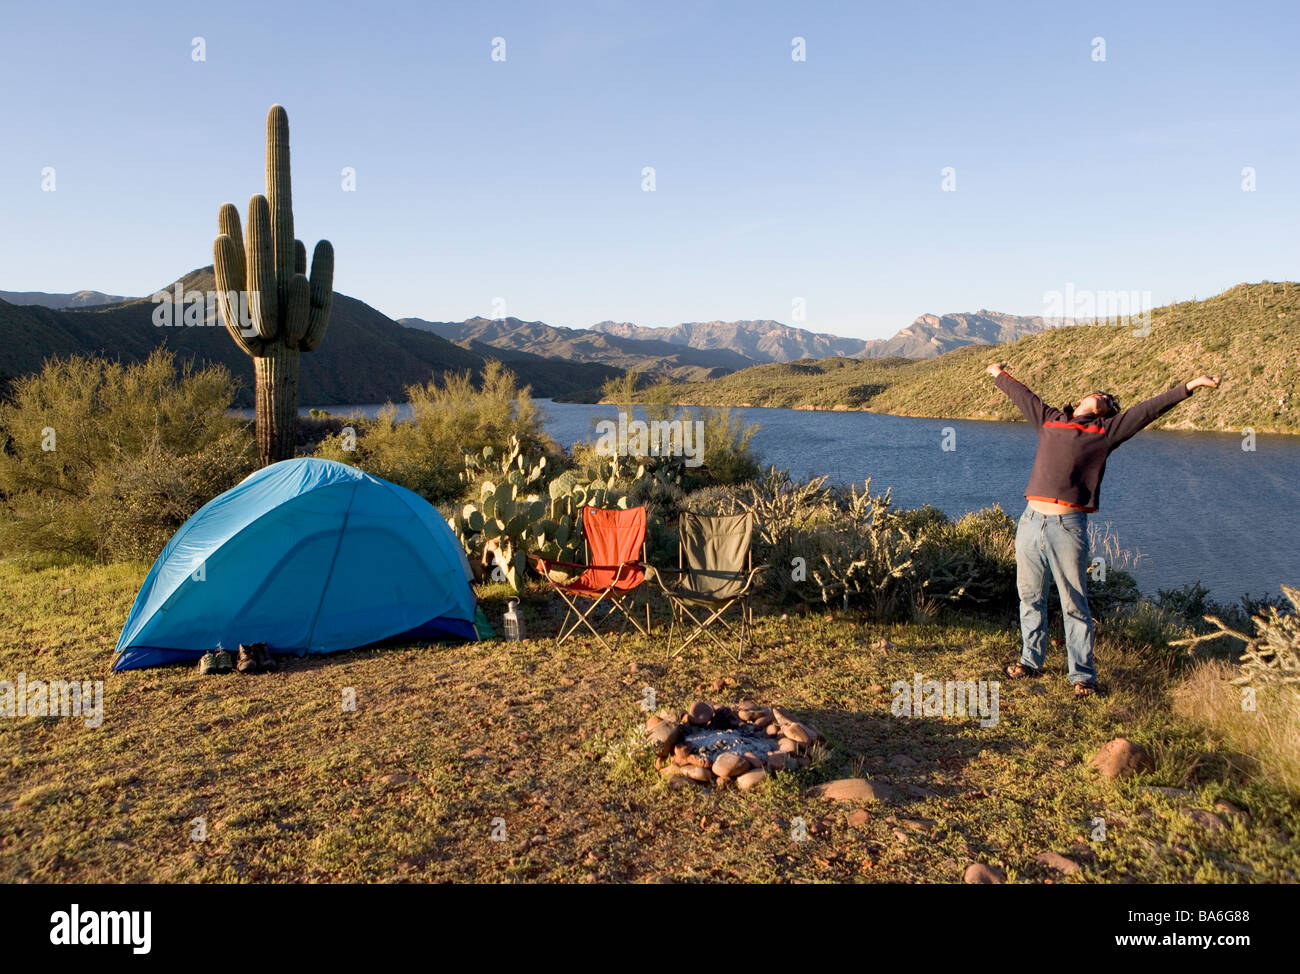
(1072, 450)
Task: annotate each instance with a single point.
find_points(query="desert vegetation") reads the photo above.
(860, 595)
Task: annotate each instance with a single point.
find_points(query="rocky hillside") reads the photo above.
(1248, 333)
(585, 345)
(366, 356)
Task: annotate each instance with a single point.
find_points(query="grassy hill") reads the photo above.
(366, 356)
(1249, 333)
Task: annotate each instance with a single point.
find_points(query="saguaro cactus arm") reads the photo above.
(322, 294)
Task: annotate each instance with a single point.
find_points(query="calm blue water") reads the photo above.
(1194, 504)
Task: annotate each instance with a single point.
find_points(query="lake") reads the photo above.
(1195, 505)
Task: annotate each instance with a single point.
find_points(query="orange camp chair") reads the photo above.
(615, 569)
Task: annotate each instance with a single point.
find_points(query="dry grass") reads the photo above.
(1269, 734)
(447, 739)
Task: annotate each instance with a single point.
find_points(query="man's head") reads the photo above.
(1101, 404)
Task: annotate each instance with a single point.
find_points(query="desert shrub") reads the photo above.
(105, 460)
(729, 457)
(1151, 629)
(719, 499)
(726, 450)
(449, 419)
(969, 563)
(846, 548)
(861, 555)
(1190, 603)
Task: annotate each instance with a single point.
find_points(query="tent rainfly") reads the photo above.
(307, 556)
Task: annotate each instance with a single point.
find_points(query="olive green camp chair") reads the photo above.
(715, 571)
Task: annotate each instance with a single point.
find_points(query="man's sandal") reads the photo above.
(1019, 671)
(1082, 690)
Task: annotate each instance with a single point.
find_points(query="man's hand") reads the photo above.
(997, 368)
(1208, 381)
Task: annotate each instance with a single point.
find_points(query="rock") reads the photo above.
(776, 760)
(652, 721)
(885, 644)
(700, 714)
(762, 720)
(903, 761)
(729, 764)
(703, 775)
(793, 762)
(750, 779)
(679, 781)
(782, 716)
(852, 790)
(1054, 860)
(664, 736)
(788, 745)
(917, 824)
(773, 729)
(1227, 808)
(799, 733)
(396, 779)
(859, 818)
(1121, 758)
(980, 873)
(1206, 820)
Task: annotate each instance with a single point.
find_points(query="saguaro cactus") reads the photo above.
(288, 312)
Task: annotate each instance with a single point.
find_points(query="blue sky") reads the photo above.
(774, 179)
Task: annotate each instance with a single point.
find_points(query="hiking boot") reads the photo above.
(207, 664)
(248, 661)
(223, 661)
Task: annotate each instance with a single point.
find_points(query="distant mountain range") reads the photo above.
(366, 356)
(757, 341)
(1247, 334)
(697, 350)
(77, 299)
(662, 358)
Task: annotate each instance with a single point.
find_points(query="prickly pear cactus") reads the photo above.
(516, 514)
(288, 311)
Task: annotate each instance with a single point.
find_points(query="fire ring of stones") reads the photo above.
(719, 746)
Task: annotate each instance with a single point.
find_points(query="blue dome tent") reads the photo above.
(307, 556)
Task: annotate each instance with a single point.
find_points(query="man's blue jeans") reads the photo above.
(1054, 546)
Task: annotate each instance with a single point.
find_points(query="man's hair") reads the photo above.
(1111, 401)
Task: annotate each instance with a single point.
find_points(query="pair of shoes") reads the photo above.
(255, 658)
(217, 661)
(1019, 671)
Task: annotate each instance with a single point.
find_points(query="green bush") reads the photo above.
(449, 419)
(106, 461)
(727, 452)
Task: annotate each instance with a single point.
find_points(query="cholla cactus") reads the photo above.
(288, 311)
(1272, 657)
